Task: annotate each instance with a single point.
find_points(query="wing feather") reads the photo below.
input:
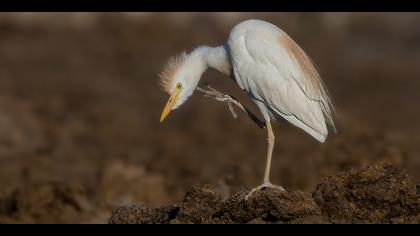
(276, 71)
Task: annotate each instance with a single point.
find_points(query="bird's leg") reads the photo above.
(266, 183)
(218, 96)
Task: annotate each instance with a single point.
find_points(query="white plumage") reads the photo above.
(274, 71)
(270, 66)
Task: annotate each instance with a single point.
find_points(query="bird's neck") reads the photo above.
(213, 57)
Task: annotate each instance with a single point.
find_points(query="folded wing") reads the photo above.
(275, 70)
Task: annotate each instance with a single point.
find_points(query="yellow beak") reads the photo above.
(171, 102)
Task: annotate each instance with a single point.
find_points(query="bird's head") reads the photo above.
(179, 79)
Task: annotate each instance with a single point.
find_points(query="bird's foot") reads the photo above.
(229, 100)
(218, 96)
(213, 93)
(262, 186)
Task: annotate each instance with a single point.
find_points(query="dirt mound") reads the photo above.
(376, 194)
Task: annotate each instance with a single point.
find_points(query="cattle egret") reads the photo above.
(271, 68)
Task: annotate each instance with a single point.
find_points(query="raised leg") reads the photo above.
(218, 96)
(266, 182)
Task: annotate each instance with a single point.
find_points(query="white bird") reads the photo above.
(271, 68)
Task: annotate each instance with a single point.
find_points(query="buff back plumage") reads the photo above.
(313, 83)
(272, 67)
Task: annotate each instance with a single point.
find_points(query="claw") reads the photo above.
(262, 186)
(218, 96)
(210, 92)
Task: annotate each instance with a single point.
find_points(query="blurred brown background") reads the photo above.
(80, 105)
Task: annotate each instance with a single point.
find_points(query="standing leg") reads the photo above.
(270, 139)
(266, 183)
(270, 142)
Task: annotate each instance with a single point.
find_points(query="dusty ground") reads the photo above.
(376, 194)
(80, 105)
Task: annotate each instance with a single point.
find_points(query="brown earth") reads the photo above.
(80, 133)
(376, 194)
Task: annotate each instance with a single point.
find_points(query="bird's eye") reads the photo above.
(178, 85)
